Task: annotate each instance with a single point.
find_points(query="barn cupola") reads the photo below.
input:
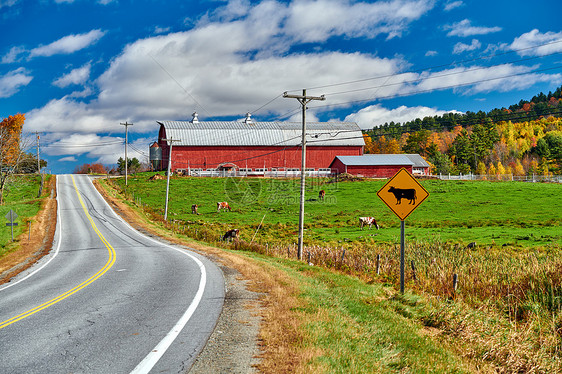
(248, 119)
(194, 119)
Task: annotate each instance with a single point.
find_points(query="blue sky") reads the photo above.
(79, 68)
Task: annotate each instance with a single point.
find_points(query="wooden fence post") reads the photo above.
(413, 270)
(455, 282)
(378, 264)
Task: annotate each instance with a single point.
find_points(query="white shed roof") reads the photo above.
(235, 133)
(376, 160)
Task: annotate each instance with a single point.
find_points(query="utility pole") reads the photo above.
(126, 141)
(38, 160)
(39, 167)
(303, 100)
(171, 142)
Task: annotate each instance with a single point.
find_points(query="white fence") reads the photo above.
(288, 173)
(503, 177)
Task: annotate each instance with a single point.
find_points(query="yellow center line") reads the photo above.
(82, 285)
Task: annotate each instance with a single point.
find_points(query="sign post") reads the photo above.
(402, 194)
(11, 216)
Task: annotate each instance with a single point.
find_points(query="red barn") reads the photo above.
(376, 165)
(245, 145)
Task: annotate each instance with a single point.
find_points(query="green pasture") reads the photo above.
(20, 195)
(503, 213)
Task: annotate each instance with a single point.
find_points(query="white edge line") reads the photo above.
(56, 251)
(152, 358)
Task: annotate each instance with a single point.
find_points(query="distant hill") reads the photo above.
(525, 138)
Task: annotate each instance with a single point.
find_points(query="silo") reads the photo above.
(155, 156)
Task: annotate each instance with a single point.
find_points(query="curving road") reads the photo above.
(107, 299)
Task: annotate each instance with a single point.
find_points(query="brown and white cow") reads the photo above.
(368, 221)
(194, 209)
(230, 235)
(321, 195)
(223, 205)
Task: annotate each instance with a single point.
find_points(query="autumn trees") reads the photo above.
(11, 152)
(517, 148)
(95, 168)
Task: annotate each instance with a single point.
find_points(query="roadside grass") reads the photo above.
(20, 195)
(364, 328)
(506, 313)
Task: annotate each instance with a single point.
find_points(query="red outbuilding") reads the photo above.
(255, 146)
(380, 165)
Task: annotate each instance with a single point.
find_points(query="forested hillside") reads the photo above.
(524, 139)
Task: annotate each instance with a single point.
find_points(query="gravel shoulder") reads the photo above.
(233, 348)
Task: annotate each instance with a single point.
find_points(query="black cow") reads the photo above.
(230, 235)
(406, 193)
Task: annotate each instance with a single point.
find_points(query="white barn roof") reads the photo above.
(375, 160)
(222, 133)
(418, 160)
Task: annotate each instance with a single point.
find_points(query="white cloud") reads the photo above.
(90, 145)
(161, 30)
(76, 76)
(7, 3)
(464, 28)
(453, 5)
(476, 79)
(376, 115)
(13, 55)
(461, 47)
(550, 42)
(68, 44)
(67, 115)
(101, 149)
(11, 82)
(319, 20)
(431, 53)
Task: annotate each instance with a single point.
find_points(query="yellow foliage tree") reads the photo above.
(10, 150)
(518, 169)
(369, 146)
(481, 168)
(500, 169)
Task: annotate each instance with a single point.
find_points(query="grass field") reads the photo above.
(506, 311)
(20, 195)
(513, 213)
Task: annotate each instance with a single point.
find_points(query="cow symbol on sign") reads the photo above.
(406, 193)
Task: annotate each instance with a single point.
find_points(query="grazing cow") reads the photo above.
(231, 235)
(368, 221)
(194, 209)
(223, 205)
(471, 245)
(321, 195)
(406, 193)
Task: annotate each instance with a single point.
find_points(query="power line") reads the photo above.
(433, 76)
(65, 145)
(439, 66)
(434, 89)
(179, 84)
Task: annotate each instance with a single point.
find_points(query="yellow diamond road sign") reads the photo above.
(402, 194)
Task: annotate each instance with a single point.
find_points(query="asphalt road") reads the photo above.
(107, 299)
